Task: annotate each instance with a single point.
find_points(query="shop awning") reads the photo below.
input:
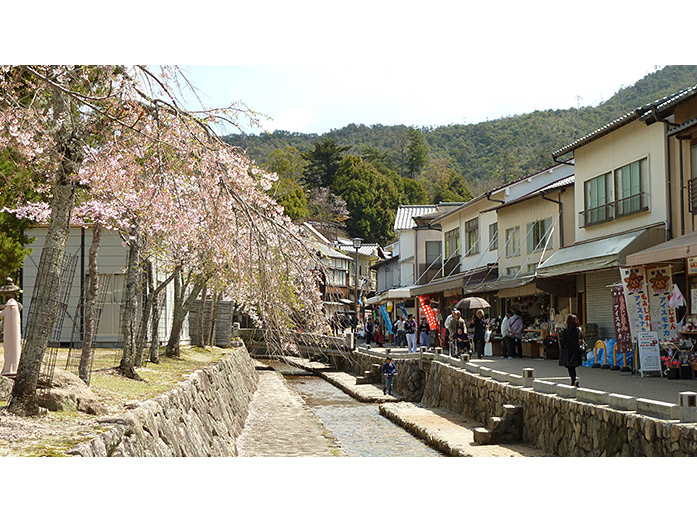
(676, 249)
(597, 254)
(390, 294)
(457, 281)
(501, 284)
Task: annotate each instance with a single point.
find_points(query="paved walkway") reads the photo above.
(279, 424)
(606, 380)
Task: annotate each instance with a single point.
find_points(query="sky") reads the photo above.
(310, 99)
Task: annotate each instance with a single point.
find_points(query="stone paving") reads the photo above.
(279, 424)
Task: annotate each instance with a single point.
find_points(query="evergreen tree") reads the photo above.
(417, 153)
(323, 162)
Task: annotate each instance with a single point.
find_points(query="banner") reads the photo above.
(428, 312)
(660, 287)
(621, 320)
(403, 309)
(386, 317)
(638, 311)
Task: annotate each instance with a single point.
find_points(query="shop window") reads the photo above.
(598, 199)
(537, 234)
(513, 242)
(472, 236)
(494, 236)
(630, 183)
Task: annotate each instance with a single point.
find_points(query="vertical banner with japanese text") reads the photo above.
(638, 310)
(621, 320)
(386, 317)
(428, 312)
(660, 287)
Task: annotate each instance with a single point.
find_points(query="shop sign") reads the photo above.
(621, 320)
(428, 312)
(692, 265)
(660, 287)
(638, 310)
(649, 352)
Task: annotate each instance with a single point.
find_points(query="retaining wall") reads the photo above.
(555, 421)
(201, 416)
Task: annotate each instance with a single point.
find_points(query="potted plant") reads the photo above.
(672, 367)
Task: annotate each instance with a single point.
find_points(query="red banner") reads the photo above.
(621, 320)
(428, 312)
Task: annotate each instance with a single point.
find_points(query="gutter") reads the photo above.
(561, 215)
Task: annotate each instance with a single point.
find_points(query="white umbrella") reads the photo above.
(472, 302)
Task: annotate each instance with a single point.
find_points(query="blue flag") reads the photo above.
(403, 309)
(386, 317)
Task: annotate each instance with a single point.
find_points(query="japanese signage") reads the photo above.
(649, 353)
(692, 266)
(386, 317)
(428, 312)
(638, 310)
(621, 320)
(660, 287)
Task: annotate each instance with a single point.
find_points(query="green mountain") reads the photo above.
(489, 152)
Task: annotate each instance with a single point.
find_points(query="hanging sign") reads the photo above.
(428, 312)
(649, 353)
(621, 320)
(692, 266)
(386, 317)
(660, 287)
(638, 310)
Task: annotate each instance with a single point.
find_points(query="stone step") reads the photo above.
(511, 410)
(363, 380)
(483, 436)
(494, 422)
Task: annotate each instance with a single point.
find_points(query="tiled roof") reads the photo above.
(564, 182)
(405, 213)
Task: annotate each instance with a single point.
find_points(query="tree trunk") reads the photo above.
(145, 319)
(128, 315)
(210, 340)
(180, 313)
(155, 336)
(90, 305)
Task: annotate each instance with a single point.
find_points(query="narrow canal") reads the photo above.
(360, 428)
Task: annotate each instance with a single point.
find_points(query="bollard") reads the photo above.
(614, 358)
(464, 357)
(626, 368)
(598, 344)
(688, 407)
(528, 377)
(439, 350)
(236, 330)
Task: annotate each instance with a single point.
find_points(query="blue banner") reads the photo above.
(403, 309)
(386, 317)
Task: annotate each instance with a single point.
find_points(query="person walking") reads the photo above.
(570, 353)
(369, 328)
(424, 330)
(389, 370)
(515, 328)
(479, 333)
(410, 330)
(505, 339)
(401, 340)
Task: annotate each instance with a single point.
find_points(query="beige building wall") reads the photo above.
(683, 112)
(627, 144)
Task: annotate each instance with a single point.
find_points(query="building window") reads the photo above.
(452, 242)
(512, 271)
(494, 236)
(629, 182)
(432, 252)
(513, 242)
(537, 234)
(532, 267)
(472, 236)
(598, 198)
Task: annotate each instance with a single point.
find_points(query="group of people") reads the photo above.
(512, 335)
(408, 331)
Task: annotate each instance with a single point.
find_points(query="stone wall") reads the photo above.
(411, 376)
(555, 424)
(202, 416)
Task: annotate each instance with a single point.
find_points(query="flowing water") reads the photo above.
(360, 428)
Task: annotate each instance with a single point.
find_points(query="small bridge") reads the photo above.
(257, 341)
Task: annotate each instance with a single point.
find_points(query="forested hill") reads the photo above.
(486, 152)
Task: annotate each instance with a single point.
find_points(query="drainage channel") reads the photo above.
(360, 428)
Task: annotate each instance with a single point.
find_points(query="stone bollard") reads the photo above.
(528, 377)
(439, 350)
(688, 407)
(236, 330)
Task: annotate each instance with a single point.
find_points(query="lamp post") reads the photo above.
(356, 245)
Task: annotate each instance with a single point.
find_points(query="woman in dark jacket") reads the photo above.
(479, 332)
(570, 352)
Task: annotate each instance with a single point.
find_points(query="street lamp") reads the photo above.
(356, 245)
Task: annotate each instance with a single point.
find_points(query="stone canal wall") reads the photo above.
(202, 416)
(555, 424)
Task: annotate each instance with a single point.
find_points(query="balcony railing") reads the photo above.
(623, 207)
